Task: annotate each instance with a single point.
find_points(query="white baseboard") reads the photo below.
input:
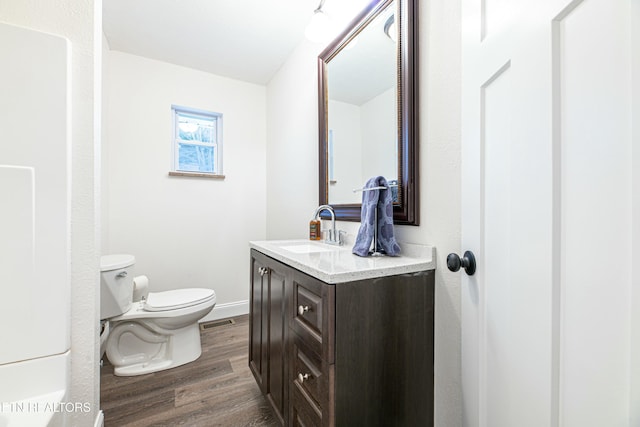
(99, 419)
(230, 309)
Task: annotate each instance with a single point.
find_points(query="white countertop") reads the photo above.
(336, 264)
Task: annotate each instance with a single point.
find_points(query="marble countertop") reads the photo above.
(336, 264)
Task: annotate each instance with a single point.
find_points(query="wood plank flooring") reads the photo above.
(215, 390)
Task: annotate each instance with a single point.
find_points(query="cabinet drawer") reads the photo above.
(313, 314)
(309, 308)
(304, 412)
(307, 373)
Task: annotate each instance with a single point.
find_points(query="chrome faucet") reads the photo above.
(333, 237)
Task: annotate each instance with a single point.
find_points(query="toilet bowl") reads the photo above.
(148, 331)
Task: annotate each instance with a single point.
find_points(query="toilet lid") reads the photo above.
(177, 298)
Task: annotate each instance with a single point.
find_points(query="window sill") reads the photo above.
(196, 175)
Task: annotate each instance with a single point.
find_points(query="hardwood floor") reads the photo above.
(215, 390)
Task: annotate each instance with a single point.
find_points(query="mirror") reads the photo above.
(368, 96)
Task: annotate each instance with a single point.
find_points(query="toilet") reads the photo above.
(144, 331)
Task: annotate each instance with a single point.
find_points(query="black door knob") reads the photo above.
(468, 262)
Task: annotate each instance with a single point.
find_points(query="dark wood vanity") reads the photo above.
(356, 353)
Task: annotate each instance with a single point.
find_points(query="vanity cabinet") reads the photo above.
(345, 354)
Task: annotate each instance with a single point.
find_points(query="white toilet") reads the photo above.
(146, 331)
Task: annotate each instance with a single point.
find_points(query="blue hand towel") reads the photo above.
(379, 201)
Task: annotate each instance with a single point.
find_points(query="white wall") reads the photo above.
(81, 22)
(379, 137)
(184, 232)
(364, 137)
(345, 120)
(104, 153)
(292, 145)
(440, 71)
(293, 173)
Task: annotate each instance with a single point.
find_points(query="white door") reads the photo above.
(551, 210)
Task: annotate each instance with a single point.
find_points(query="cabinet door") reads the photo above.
(268, 329)
(276, 343)
(384, 351)
(258, 322)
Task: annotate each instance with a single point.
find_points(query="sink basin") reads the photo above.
(306, 248)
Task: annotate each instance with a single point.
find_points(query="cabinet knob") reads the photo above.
(302, 377)
(263, 270)
(302, 309)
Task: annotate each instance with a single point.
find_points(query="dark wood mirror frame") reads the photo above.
(406, 211)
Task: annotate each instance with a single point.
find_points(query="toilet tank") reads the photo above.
(116, 284)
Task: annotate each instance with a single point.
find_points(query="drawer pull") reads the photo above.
(302, 309)
(302, 377)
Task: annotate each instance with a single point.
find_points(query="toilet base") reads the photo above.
(136, 348)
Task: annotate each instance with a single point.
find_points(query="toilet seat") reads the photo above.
(177, 307)
(176, 299)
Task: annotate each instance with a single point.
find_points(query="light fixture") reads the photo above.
(390, 28)
(320, 28)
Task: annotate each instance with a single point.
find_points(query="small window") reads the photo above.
(197, 141)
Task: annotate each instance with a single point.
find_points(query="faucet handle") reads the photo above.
(336, 238)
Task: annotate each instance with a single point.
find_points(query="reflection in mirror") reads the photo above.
(362, 120)
(368, 109)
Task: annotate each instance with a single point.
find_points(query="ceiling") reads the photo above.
(247, 40)
(367, 66)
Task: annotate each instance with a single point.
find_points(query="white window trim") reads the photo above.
(217, 146)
